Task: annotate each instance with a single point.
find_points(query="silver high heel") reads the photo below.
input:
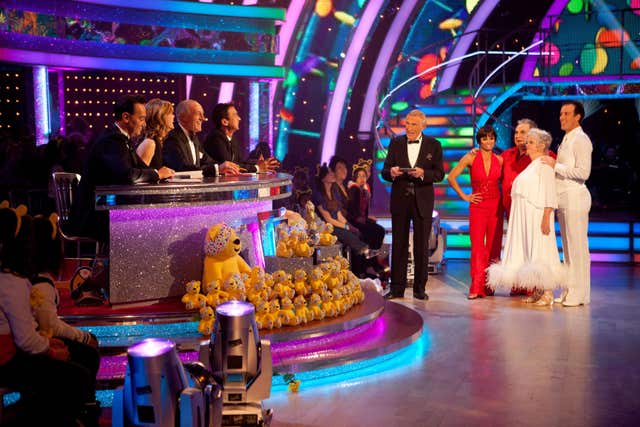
(562, 297)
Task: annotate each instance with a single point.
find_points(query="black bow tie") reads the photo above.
(416, 141)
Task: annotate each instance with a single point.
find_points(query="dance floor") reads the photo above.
(495, 362)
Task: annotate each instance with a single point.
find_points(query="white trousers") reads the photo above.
(573, 217)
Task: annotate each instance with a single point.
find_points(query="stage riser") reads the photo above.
(615, 241)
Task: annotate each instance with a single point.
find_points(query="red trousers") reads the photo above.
(485, 232)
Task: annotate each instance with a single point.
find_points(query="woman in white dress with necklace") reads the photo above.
(530, 258)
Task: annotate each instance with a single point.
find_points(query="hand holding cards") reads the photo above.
(406, 170)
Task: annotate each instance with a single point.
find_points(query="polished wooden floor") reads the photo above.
(497, 362)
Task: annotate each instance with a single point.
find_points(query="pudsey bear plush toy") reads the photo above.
(221, 254)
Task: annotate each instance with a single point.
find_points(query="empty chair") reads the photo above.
(65, 185)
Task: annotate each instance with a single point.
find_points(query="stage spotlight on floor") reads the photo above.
(156, 390)
(241, 364)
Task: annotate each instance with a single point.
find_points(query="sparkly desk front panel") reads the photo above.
(156, 248)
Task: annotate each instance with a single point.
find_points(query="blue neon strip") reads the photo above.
(304, 133)
(194, 7)
(590, 96)
(140, 16)
(72, 61)
(604, 243)
(609, 243)
(125, 335)
(389, 364)
(52, 45)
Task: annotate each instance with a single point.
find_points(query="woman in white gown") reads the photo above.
(530, 258)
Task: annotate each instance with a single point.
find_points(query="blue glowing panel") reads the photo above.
(609, 228)
(609, 243)
(457, 254)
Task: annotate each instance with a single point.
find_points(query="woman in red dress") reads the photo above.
(485, 208)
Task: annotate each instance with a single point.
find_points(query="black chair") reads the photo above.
(65, 185)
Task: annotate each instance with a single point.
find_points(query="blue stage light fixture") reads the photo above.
(157, 390)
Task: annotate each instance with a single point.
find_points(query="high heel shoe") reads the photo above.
(545, 300)
(562, 297)
(535, 296)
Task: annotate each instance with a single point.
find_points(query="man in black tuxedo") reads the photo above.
(222, 146)
(182, 150)
(113, 161)
(413, 165)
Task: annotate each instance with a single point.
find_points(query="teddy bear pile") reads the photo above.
(305, 293)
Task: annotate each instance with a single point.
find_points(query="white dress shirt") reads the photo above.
(573, 165)
(413, 150)
(192, 146)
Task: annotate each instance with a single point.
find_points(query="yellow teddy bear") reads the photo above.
(221, 254)
(300, 282)
(304, 314)
(283, 250)
(326, 235)
(302, 248)
(315, 305)
(193, 298)
(264, 320)
(234, 286)
(207, 316)
(286, 314)
(215, 295)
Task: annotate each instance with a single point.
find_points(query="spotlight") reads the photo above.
(156, 390)
(241, 364)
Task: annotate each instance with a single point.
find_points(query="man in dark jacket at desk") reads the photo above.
(112, 160)
(182, 150)
(222, 146)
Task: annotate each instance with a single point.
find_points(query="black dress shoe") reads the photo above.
(391, 295)
(422, 296)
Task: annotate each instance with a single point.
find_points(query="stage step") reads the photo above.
(609, 241)
(369, 333)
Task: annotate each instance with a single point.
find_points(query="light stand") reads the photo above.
(241, 363)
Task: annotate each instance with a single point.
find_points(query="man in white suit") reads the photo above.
(573, 167)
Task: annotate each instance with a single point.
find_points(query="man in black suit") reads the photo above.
(113, 161)
(413, 165)
(181, 149)
(222, 146)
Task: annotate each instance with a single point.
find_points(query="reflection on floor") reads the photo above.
(496, 362)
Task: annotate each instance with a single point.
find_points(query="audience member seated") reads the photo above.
(328, 205)
(159, 122)
(358, 214)
(54, 380)
(339, 168)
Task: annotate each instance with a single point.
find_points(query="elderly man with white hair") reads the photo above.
(413, 165)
